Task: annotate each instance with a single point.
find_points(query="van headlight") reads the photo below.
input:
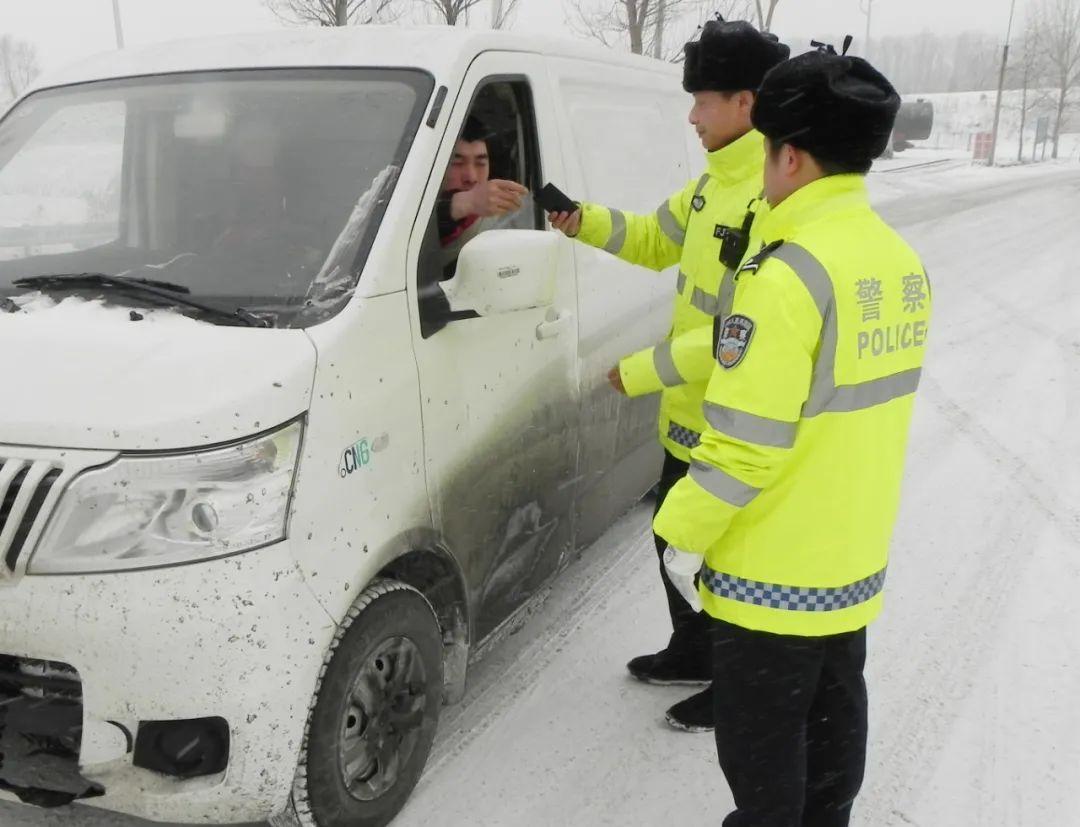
(165, 509)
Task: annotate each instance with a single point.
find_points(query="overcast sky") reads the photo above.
(65, 30)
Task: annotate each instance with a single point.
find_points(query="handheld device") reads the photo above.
(554, 200)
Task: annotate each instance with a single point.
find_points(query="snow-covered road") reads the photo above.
(974, 669)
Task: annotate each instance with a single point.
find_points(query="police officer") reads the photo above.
(722, 69)
(788, 507)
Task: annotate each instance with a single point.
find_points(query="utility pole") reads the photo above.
(118, 24)
(867, 7)
(1001, 87)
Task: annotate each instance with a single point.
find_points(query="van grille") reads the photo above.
(25, 486)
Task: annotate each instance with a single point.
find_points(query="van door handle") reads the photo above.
(555, 325)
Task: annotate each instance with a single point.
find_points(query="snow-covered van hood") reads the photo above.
(79, 374)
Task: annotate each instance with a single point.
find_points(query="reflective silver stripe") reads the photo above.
(825, 395)
(727, 294)
(849, 398)
(665, 366)
(702, 181)
(810, 271)
(617, 238)
(701, 299)
(721, 485)
(793, 598)
(670, 225)
(816, 279)
(705, 302)
(759, 430)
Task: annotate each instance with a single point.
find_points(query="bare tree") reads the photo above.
(670, 35)
(976, 62)
(1027, 73)
(765, 13)
(1057, 24)
(928, 62)
(334, 12)
(502, 11)
(615, 20)
(659, 26)
(914, 63)
(18, 66)
(450, 12)
(649, 26)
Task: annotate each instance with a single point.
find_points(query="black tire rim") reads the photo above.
(384, 714)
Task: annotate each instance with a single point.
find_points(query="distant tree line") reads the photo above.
(1043, 67)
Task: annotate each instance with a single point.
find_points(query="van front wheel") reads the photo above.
(375, 713)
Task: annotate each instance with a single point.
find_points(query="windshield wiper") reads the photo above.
(173, 293)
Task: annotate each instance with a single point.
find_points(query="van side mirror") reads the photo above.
(501, 271)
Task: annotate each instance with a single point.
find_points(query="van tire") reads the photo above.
(390, 624)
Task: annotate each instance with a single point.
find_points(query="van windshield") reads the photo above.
(254, 189)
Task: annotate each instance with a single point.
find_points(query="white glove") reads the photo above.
(682, 567)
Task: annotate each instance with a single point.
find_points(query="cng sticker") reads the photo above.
(355, 457)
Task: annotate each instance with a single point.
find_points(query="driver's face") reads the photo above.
(468, 167)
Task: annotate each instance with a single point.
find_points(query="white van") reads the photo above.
(267, 476)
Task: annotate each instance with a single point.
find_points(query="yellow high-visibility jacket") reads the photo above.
(683, 231)
(794, 490)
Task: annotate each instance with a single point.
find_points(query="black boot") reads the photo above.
(695, 714)
(666, 668)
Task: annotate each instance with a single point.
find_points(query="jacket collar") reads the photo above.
(819, 199)
(738, 160)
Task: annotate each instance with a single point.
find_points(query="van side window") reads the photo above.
(497, 142)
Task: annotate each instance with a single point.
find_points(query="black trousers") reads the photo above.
(691, 636)
(790, 725)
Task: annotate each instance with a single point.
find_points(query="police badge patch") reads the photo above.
(698, 203)
(734, 340)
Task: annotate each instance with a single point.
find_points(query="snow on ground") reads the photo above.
(975, 718)
(973, 667)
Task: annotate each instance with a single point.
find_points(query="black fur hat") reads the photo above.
(835, 107)
(730, 57)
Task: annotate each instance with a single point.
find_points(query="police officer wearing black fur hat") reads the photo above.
(786, 514)
(723, 67)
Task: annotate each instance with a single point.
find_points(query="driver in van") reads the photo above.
(470, 199)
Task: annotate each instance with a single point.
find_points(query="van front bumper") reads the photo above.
(240, 639)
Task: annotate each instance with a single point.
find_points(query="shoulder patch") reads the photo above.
(698, 203)
(734, 340)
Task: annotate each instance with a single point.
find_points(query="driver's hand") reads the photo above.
(615, 379)
(493, 198)
(567, 223)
